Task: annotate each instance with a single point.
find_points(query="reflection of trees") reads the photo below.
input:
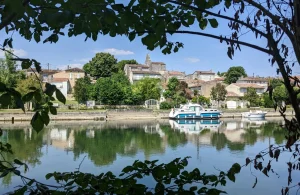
(175, 138)
(250, 137)
(106, 144)
(218, 140)
(26, 146)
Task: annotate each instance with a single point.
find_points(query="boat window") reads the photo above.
(192, 108)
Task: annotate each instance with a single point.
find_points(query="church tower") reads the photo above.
(148, 61)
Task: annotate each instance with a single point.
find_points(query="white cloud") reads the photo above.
(65, 66)
(18, 52)
(192, 60)
(114, 51)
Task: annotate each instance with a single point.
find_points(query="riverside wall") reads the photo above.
(112, 115)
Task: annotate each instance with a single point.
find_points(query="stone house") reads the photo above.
(255, 80)
(241, 88)
(44, 75)
(203, 75)
(62, 84)
(72, 74)
(179, 75)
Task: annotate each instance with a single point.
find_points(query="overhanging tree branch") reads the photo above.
(276, 21)
(219, 16)
(219, 38)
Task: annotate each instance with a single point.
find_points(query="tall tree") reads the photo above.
(120, 65)
(147, 88)
(280, 94)
(218, 93)
(102, 65)
(177, 91)
(8, 71)
(82, 89)
(234, 73)
(252, 97)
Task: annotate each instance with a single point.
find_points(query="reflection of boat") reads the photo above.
(254, 114)
(194, 111)
(195, 126)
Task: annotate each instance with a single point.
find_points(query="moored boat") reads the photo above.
(194, 111)
(254, 114)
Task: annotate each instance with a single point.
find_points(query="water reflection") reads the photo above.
(107, 142)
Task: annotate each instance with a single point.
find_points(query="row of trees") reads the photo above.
(117, 89)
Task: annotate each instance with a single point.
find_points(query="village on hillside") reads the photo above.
(201, 80)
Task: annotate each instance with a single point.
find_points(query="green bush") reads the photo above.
(166, 105)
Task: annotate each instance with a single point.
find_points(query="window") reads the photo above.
(70, 75)
(78, 75)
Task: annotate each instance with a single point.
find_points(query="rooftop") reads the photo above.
(137, 65)
(157, 62)
(232, 94)
(253, 79)
(145, 72)
(74, 70)
(204, 72)
(58, 80)
(175, 73)
(246, 85)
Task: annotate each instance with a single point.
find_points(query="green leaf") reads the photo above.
(2, 87)
(53, 110)
(236, 167)
(60, 96)
(37, 95)
(247, 161)
(49, 175)
(28, 97)
(231, 176)
(45, 117)
(17, 172)
(18, 162)
(213, 22)
(203, 24)
(49, 89)
(20, 104)
(37, 37)
(5, 99)
(26, 64)
(159, 188)
(37, 122)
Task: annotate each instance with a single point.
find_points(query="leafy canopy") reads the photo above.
(234, 73)
(102, 65)
(82, 89)
(218, 92)
(252, 96)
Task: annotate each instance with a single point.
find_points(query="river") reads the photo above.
(103, 146)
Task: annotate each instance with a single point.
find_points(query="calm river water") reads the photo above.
(113, 145)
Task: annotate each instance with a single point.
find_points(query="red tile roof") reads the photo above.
(253, 79)
(175, 73)
(246, 85)
(58, 80)
(158, 63)
(232, 94)
(145, 72)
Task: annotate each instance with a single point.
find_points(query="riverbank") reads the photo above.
(112, 115)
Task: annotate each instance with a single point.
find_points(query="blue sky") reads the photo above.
(199, 53)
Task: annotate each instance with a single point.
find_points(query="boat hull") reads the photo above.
(194, 116)
(254, 115)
